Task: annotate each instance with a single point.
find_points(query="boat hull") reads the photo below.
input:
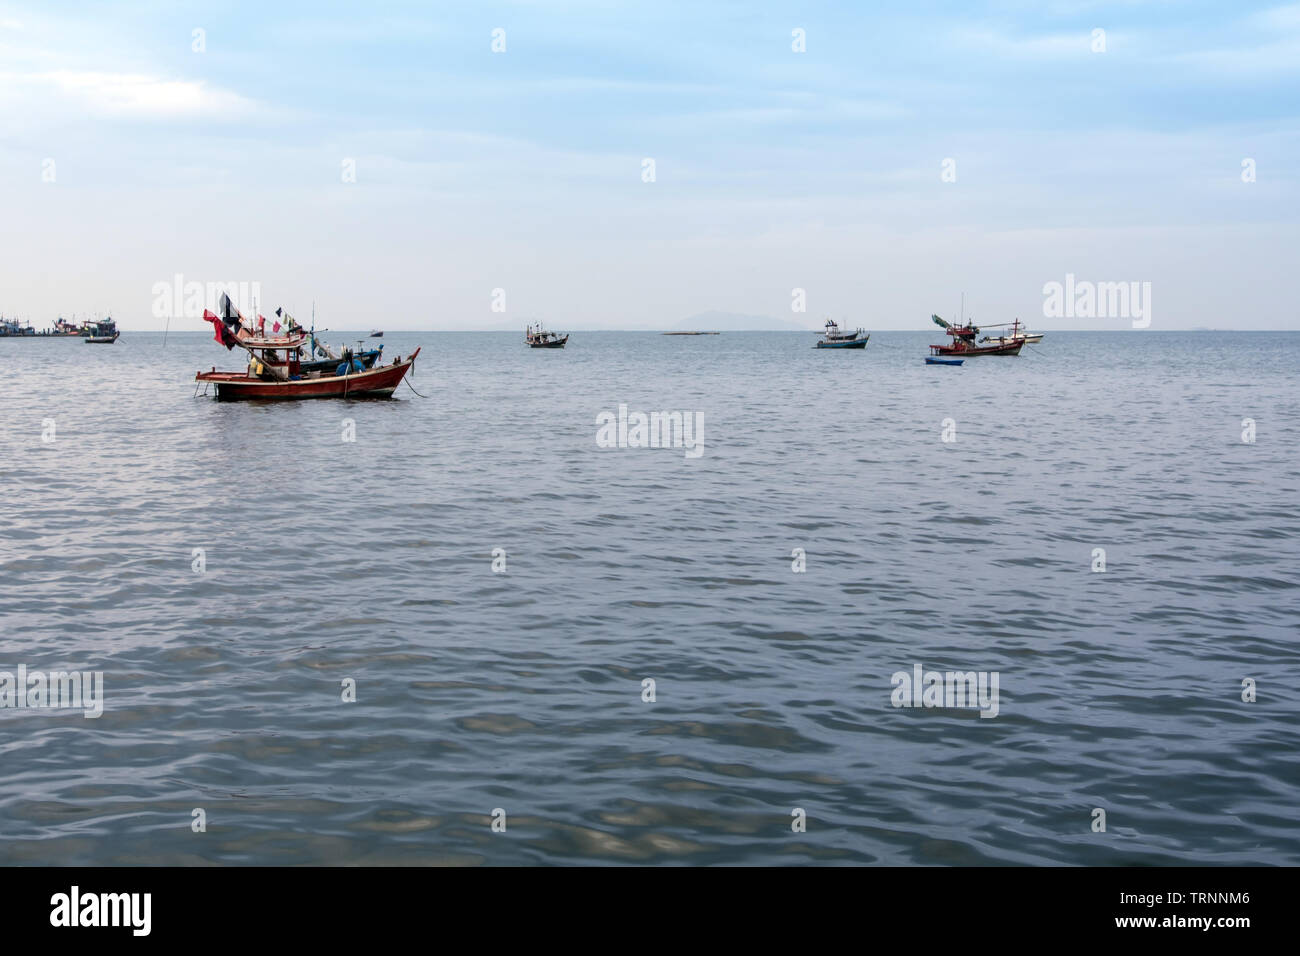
(948, 351)
(931, 360)
(844, 344)
(375, 383)
(102, 339)
(1026, 339)
(553, 344)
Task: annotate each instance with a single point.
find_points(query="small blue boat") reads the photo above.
(942, 361)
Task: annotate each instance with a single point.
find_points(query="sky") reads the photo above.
(903, 157)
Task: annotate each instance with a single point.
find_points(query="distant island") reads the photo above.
(739, 322)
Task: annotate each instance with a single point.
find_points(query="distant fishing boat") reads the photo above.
(930, 360)
(376, 333)
(1029, 338)
(539, 338)
(833, 338)
(964, 345)
(103, 332)
(12, 329)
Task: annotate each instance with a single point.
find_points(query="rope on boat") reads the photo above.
(407, 380)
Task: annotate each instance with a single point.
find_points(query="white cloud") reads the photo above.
(131, 94)
(1006, 46)
(140, 94)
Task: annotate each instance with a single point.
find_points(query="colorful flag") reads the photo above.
(222, 332)
(229, 314)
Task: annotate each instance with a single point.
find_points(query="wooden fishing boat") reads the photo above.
(103, 332)
(833, 338)
(271, 376)
(275, 372)
(931, 360)
(964, 345)
(539, 338)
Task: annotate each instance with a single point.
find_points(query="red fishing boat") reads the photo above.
(275, 369)
(963, 341)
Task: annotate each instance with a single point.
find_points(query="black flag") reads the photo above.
(229, 314)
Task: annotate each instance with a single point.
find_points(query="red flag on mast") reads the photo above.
(221, 330)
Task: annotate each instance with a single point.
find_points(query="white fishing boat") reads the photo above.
(835, 338)
(1017, 333)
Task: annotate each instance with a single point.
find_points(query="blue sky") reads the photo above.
(774, 170)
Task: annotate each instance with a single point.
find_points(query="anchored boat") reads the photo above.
(276, 372)
(103, 332)
(539, 338)
(12, 329)
(964, 345)
(1029, 338)
(833, 338)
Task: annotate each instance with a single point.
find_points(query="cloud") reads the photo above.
(1277, 18)
(134, 94)
(1041, 47)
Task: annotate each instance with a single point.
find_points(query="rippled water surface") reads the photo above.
(372, 560)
